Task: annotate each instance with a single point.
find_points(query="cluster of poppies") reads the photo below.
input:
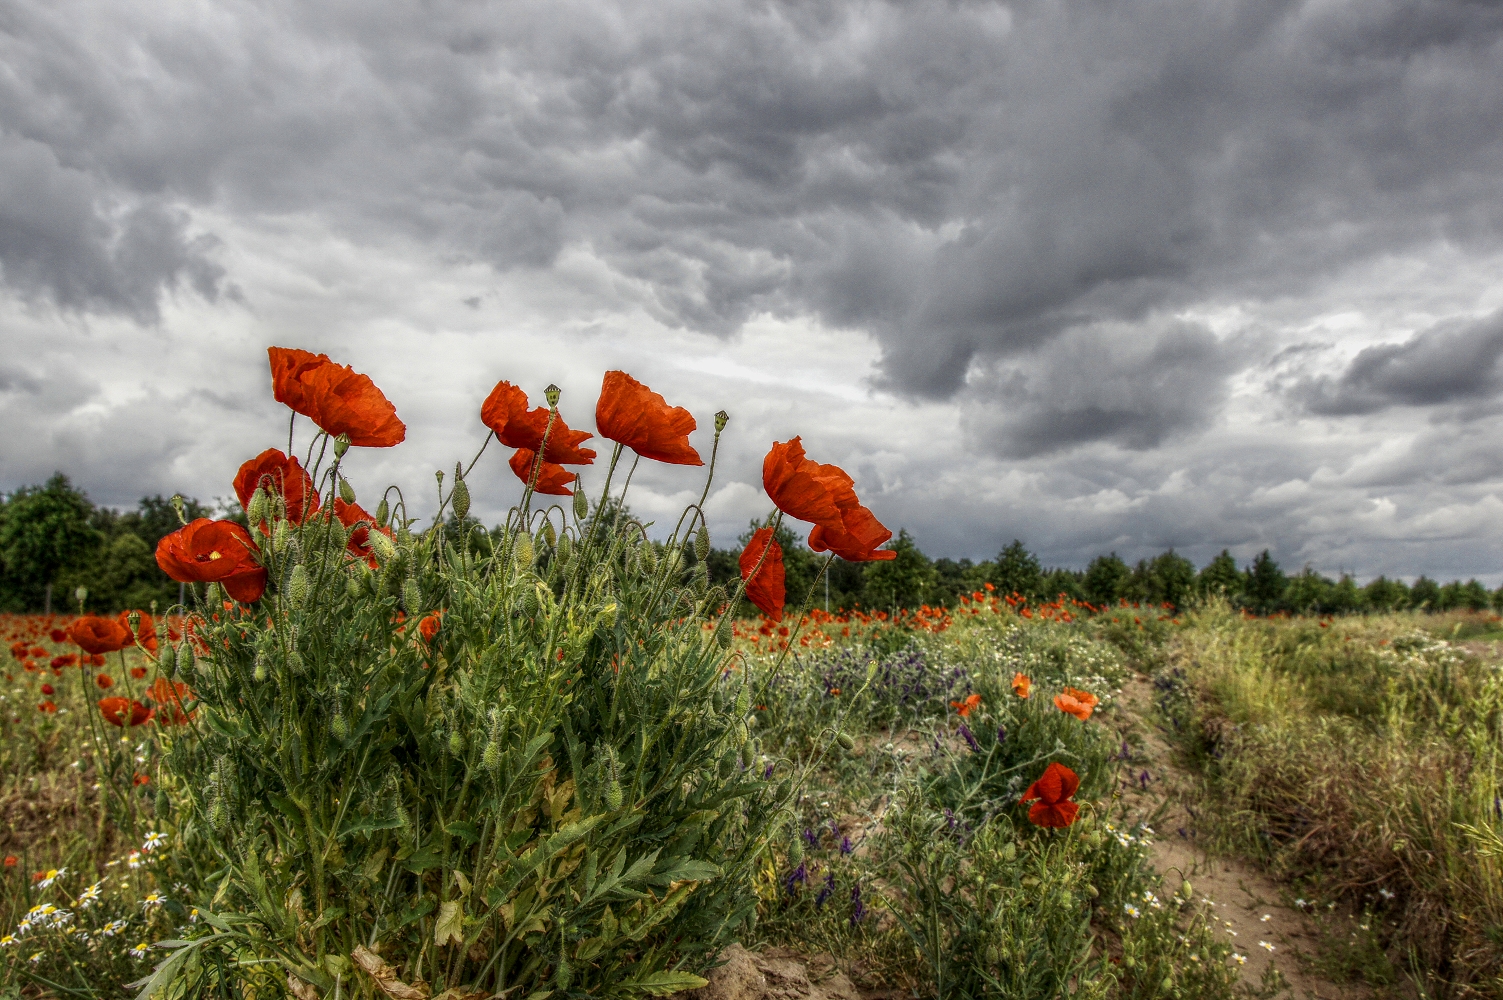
(346, 404)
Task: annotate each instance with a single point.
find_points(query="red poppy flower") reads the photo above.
(630, 413)
(335, 397)
(124, 712)
(58, 635)
(105, 681)
(963, 708)
(505, 412)
(170, 697)
(359, 543)
(1076, 703)
(138, 672)
(206, 551)
(10, 859)
(1053, 790)
(764, 584)
(66, 660)
(99, 635)
(428, 627)
(146, 630)
(48, 689)
(553, 479)
(858, 538)
(97, 659)
(802, 488)
(280, 475)
(140, 779)
(1020, 684)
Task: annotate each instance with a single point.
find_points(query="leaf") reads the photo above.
(300, 989)
(417, 911)
(422, 860)
(686, 870)
(450, 924)
(661, 984)
(464, 830)
(462, 882)
(386, 977)
(368, 824)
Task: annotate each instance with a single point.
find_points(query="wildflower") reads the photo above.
(105, 681)
(47, 707)
(112, 928)
(505, 412)
(140, 950)
(552, 479)
(845, 845)
(428, 627)
(133, 860)
(124, 712)
(1265, 944)
(99, 635)
(1131, 910)
(1053, 790)
(1385, 893)
(205, 551)
(138, 672)
(89, 896)
(151, 899)
(1076, 703)
(970, 741)
(36, 957)
(1265, 918)
(799, 876)
(805, 489)
(1021, 684)
(8, 940)
(963, 708)
(858, 908)
(170, 697)
(1239, 959)
(825, 891)
(48, 689)
(630, 413)
(58, 635)
(140, 779)
(11, 861)
(279, 474)
(764, 584)
(51, 876)
(335, 397)
(153, 840)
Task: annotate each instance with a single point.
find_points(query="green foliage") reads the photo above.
(1106, 580)
(1220, 576)
(1265, 584)
(1017, 572)
(42, 530)
(903, 582)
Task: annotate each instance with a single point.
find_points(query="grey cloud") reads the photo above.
(1101, 385)
(1453, 362)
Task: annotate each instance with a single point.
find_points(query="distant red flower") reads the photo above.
(281, 476)
(553, 479)
(630, 413)
(124, 712)
(105, 681)
(97, 660)
(335, 397)
(858, 539)
(1076, 703)
(58, 635)
(1021, 683)
(206, 551)
(140, 779)
(428, 627)
(65, 660)
(10, 859)
(359, 543)
(963, 708)
(47, 707)
(99, 635)
(138, 672)
(505, 412)
(48, 689)
(171, 698)
(764, 584)
(1053, 791)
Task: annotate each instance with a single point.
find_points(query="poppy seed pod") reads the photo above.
(341, 445)
(702, 544)
(796, 851)
(383, 511)
(845, 741)
(461, 498)
(346, 491)
(551, 394)
(721, 419)
(523, 551)
(581, 503)
(613, 795)
(297, 587)
(168, 659)
(412, 598)
(256, 510)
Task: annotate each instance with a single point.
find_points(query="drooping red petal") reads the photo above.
(505, 412)
(764, 584)
(282, 475)
(802, 488)
(632, 414)
(553, 479)
(1057, 815)
(858, 539)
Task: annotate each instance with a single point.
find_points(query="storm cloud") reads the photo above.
(1089, 246)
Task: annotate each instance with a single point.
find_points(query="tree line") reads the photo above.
(53, 541)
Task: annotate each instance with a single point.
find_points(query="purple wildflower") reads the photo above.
(970, 738)
(858, 909)
(845, 845)
(799, 875)
(826, 890)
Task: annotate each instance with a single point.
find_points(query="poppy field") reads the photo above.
(377, 757)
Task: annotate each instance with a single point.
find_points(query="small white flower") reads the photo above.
(1265, 944)
(152, 899)
(89, 896)
(1239, 959)
(52, 876)
(153, 840)
(1266, 917)
(112, 928)
(35, 958)
(1385, 893)
(1131, 910)
(7, 941)
(1231, 932)
(134, 860)
(140, 950)
(1300, 903)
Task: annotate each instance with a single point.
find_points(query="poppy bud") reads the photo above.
(613, 796)
(490, 757)
(383, 547)
(1186, 889)
(523, 551)
(352, 587)
(297, 587)
(723, 637)
(727, 763)
(845, 741)
(162, 806)
(456, 744)
(346, 491)
(168, 659)
(281, 535)
(260, 672)
(255, 511)
(81, 594)
(295, 662)
(185, 656)
(338, 537)
(649, 556)
(740, 735)
(1092, 891)
(785, 788)
(562, 974)
(1010, 852)
(717, 700)
(702, 543)
(748, 755)
(1129, 962)
(547, 534)
(551, 394)
(796, 851)
(412, 598)
(581, 503)
(339, 727)
(721, 419)
(743, 700)
(341, 445)
(461, 498)
(1167, 984)
(605, 618)
(382, 513)
(1066, 900)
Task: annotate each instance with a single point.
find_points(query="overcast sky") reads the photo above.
(1101, 276)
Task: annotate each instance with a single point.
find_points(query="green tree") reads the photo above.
(1384, 594)
(1424, 595)
(1105, 579)
(1173, 579)
(1474, 596)
(1220, 576)
(1346, 598)
(1063, 582)
(952, 578)
(1265, 583)
(1017, 572)
(46, 529)
(1309, 592)
(902, 582)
